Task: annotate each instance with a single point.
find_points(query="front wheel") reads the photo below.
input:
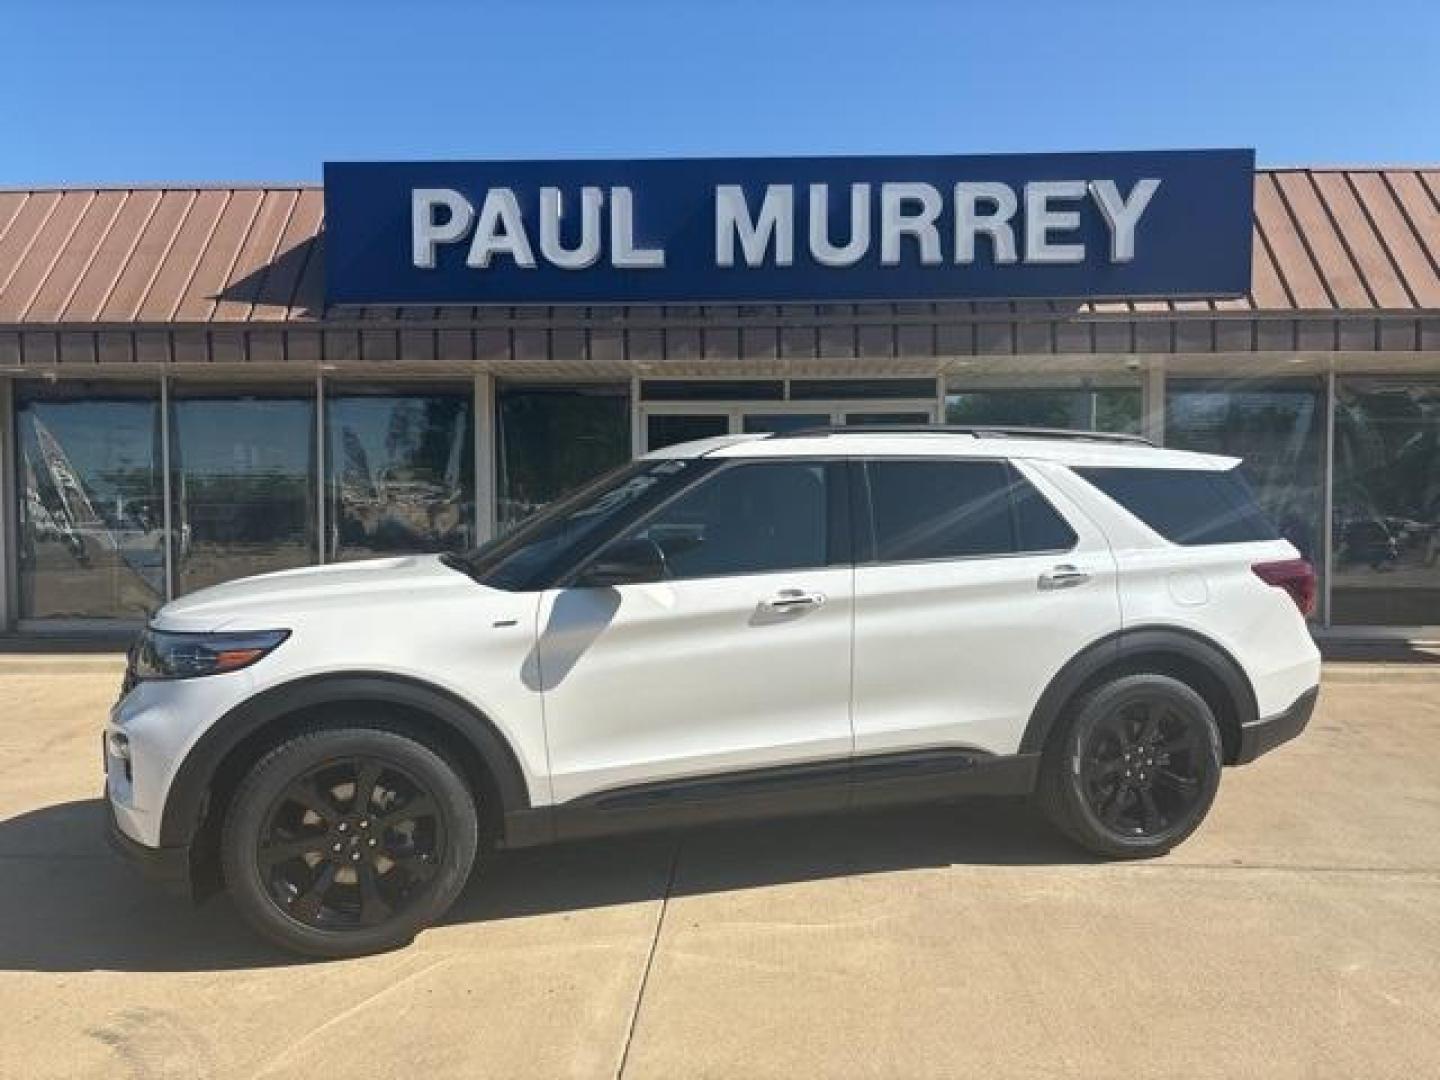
(347, 841)
(1135, 769)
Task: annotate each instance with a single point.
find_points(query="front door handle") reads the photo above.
(792, 600)
(1064, 576)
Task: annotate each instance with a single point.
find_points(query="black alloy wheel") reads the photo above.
(1133, 768)
(350, 844)
(347, 841)
(1143, 768)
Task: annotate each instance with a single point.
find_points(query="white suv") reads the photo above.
(736, 627)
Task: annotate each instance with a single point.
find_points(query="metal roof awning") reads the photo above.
(1344, 259)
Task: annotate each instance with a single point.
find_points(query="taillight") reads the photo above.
(1295, 576)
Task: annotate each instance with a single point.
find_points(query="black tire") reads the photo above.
(318, 872)
(1134, 768)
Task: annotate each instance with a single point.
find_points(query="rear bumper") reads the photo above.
(1269, 732)
(168, 867)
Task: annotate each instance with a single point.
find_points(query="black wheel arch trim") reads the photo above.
(1123, 644)
(185, 803)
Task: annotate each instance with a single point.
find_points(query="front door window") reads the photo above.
(747, 519)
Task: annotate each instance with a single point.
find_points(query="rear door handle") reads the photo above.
(1064, 576)
(792, 600)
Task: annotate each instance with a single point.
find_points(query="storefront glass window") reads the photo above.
(667, 429)
(1386, 503)
(1277, 428)
(1076, 409)
(401, 471)
(243, 480)
(90, 489)
(551, 439)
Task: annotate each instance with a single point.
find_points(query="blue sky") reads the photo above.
(209, 91)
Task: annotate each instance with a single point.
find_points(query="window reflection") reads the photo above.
(552, 439)
(1277, 427)
(91, 504)
(243, 483)
(401, 471)
(1386, 503)
(669, 429)
(748, 519)
(1078, 409)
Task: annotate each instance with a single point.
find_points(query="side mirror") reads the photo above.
(625, 562)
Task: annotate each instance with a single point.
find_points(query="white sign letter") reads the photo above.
(1040, 220)
(623, 252)
(969, 222)
(426, 232)
(776, 221)
(500, 231)
(854, 249)
(587, 252)
(896, 221)
(1122, 215)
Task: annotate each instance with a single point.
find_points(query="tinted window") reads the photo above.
(668, 429)
(1038, 526)
(400, 472)
(1104, 409)
(242, 483)
(552, 440)
(1187, 506)
(747, 519)
(1277, 427)
(954, 509)
(91, 535)
(556, 537)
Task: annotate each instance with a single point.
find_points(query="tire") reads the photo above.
(1122, 788)
(318, 871)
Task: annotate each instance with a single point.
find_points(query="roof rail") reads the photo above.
(979, 431)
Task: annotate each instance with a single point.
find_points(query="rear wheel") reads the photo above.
(1135, 769)
(348, 841)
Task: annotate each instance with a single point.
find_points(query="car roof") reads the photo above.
(1079, 448)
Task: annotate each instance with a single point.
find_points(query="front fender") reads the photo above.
(186, 801)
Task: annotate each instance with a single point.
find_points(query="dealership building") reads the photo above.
(204, 382)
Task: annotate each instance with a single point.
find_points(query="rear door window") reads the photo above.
(946, 509)
(1187, 506)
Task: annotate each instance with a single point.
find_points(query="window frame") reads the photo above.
(839, 532)
(866, 544)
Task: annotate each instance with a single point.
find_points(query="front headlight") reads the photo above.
(160, 654)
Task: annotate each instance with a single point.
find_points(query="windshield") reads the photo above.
(526, 557)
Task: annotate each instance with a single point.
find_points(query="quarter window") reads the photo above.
(1187, 506)
(946, 509)
(747, 519)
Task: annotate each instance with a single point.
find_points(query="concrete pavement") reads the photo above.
(1296, 935)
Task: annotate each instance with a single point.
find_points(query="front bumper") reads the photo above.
(168, 867)
(1269, 732)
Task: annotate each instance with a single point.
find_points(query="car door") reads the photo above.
(978, 581)
(737, 659)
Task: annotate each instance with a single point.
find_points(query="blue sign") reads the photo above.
(743, 230)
